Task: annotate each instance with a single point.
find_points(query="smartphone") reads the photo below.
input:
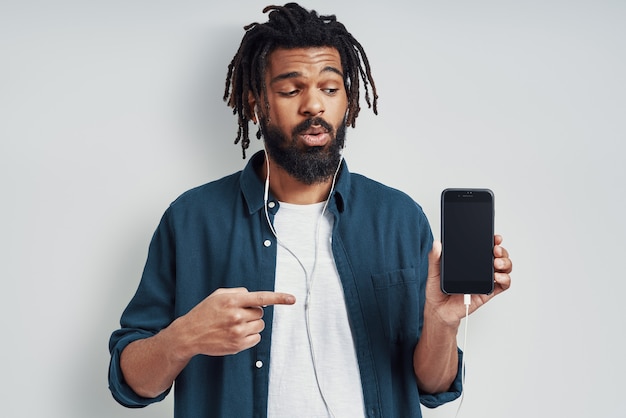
(467, 218)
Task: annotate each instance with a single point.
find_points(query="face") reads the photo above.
(305, 129)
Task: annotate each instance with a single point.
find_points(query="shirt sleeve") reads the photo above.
(150, 310)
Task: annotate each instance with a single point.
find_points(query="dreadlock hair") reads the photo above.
(291, 26)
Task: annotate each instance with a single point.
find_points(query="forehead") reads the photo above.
(303, 60)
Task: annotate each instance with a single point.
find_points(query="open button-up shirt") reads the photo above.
(216, 236)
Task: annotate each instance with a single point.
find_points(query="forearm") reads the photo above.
(150, 365)
(435, 359)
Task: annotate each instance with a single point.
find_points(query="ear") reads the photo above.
(252, 107)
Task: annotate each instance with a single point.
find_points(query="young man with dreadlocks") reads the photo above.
(294, 287)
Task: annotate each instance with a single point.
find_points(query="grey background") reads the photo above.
(111, 109)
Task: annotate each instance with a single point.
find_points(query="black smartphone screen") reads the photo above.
(467, 217)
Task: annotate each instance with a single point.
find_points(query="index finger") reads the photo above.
(265, 298)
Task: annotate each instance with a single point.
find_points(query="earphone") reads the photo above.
(309, 276)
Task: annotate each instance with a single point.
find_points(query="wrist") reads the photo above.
(438, 316)
(178, 346)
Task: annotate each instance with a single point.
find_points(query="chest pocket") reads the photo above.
(397, 297)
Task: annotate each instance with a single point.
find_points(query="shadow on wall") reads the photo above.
(209, 130)
(211, 125)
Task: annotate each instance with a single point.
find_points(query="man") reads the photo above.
(294, 287)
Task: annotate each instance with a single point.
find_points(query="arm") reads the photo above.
(226, 322)
(435, 358)
(150, 365)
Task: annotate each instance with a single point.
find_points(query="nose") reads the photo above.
(312, 103)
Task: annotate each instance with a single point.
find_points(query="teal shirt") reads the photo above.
(216, 235)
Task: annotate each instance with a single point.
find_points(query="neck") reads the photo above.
(290, 190)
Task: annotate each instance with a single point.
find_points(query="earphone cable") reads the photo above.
(308, 276)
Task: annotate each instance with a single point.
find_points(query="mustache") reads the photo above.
(317, 121)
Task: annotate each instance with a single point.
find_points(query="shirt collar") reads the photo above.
(253, 188)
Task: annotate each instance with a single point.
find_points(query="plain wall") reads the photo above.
(110, 109)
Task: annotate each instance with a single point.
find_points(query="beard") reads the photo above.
(308, 165)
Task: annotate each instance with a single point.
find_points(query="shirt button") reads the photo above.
(258, 364)
(267, 243)
(271, 205)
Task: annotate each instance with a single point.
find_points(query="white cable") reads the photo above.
(310, 291)
(308, 276)
(467, 300)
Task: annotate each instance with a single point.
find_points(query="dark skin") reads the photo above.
(302, 83)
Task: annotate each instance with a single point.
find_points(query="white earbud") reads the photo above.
(267, 179)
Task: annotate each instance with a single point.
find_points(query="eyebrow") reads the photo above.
(296, 74)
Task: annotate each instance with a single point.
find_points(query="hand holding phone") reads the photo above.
(467, 231)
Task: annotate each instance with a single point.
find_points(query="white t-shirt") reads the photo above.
(313, 340)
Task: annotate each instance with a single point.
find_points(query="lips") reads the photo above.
(315, 136)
